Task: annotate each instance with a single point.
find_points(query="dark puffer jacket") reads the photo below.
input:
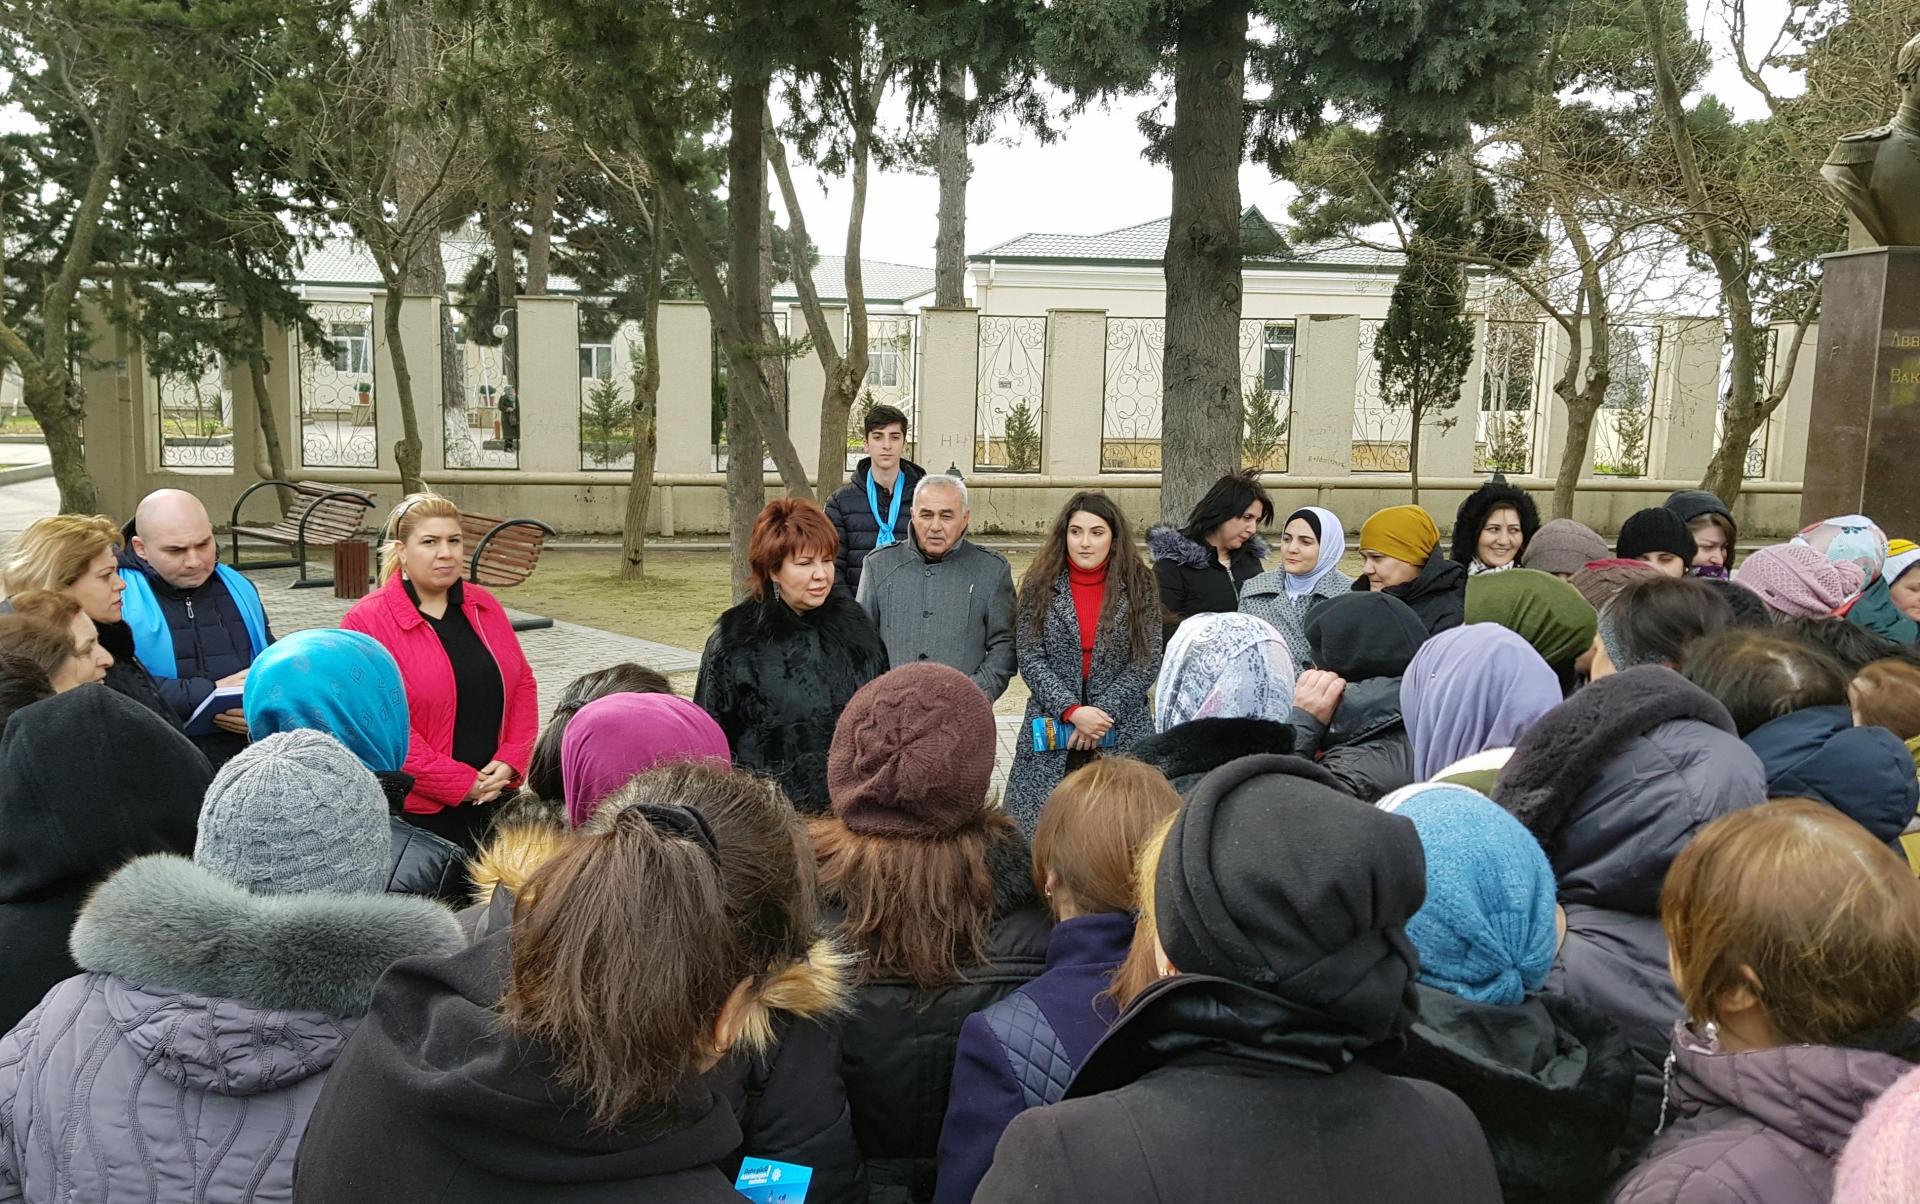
(1483, 501)
(899, 1042)
(1765, 1126)
(1187, 752)
(1549, 1081)
(852, 516)
(210, 642)
(776, 679)
(1875, 611)
(1366, 748)
(128, 676)
(1192, 579)
(423, 863)
(1865, 772)
(1438, 595)
(1614, 782)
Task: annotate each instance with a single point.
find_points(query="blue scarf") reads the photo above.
(893, 512)
(153, 641)
(342, 683)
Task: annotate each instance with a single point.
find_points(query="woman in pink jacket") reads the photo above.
(472, 701)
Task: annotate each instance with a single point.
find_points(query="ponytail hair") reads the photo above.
(623, 959)
(406, 518)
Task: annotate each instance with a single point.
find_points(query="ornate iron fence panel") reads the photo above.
(196, 419)
(1009, 402)
(1623, 430)
(1381, 433)
(479, 406)
(1511, 381)
(338, 428)
(1130, 409)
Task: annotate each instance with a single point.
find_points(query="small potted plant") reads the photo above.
(363, 393)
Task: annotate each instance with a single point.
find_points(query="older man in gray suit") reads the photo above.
(941, 597)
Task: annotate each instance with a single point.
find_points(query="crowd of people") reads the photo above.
(1522, 868)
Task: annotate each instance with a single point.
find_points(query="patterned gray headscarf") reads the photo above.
(1224, 666)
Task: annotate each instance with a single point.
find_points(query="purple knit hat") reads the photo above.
(1881, 1164)
(1794, 579)
(612, 740)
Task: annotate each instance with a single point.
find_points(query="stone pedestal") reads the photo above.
(1866, 390)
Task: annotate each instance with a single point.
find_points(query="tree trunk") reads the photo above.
(954, 166)
(269, 419)
(505, 285)
(59, 421)
(746, 277)
(741, 341)
(406, 452)
(646, 413)
(540, 235)
(1415, 414)
(1573, 457)
(1202, 414)
(1727, 471)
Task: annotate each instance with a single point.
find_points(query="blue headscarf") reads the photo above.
(1486, 931)
(342, 683)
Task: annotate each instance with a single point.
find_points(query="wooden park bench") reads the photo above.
(505, 552)
(320, 517)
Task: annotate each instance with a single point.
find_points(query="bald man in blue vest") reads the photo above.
(197, 624)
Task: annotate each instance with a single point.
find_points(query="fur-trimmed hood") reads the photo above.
(1483, 501)
(510, 858)
(1170, 543)
(164, 922)
(1187, 752)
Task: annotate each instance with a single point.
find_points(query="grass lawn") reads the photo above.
(684, 592)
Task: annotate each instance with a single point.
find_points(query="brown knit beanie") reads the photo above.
(912, 754)
(1602, 579)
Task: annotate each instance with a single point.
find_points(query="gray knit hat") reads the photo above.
(296, 813)
(1563, 546)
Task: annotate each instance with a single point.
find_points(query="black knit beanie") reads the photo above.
(1273, 878)
(1362, 635)
(1655, 529)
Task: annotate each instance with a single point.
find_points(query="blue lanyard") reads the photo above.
(893, 512)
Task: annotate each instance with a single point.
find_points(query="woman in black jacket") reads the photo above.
(1400, 555)
(1280, 906)
(573, 1058)
(1202, 565)
(1492, 527)
(782, 662)
(933, 889)
(1346, 713)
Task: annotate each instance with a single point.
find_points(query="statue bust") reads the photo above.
(1877, 172)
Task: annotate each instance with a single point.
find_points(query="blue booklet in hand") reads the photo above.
(222, 700)
(766, 1182)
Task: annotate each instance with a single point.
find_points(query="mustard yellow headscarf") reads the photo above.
(1402, 532)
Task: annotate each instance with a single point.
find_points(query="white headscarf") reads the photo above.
(1333, 545)
(1224, 666)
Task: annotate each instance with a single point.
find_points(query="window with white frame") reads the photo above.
(352, 347)
(596, 361)
(1276, 363)
(884, 365)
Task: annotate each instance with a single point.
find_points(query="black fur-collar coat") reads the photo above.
(776, 680)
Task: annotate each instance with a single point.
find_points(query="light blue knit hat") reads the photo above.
(1486, 931)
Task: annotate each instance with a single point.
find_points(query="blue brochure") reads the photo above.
(766, 1182)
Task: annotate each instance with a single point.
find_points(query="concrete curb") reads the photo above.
(29, 472)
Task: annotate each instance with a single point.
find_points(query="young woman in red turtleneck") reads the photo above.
(1088, 638)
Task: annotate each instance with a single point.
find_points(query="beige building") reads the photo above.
(1048, 382)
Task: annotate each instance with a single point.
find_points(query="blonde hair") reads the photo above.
(55, 551)
(1142, 967)
(406, 518)
(1799, 903)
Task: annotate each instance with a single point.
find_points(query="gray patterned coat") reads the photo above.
(1050, 665)
(1265, 597)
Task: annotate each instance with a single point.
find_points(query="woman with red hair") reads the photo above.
(784, 661)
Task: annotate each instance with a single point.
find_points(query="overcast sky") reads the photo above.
(1092, 178)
